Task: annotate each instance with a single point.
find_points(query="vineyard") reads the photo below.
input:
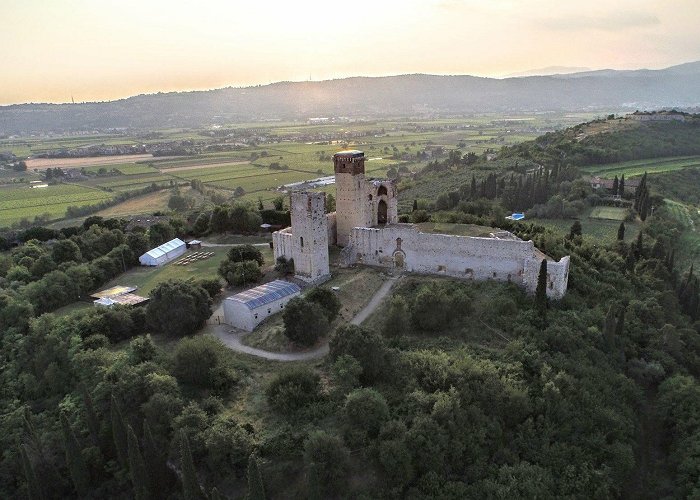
(638, 167)
(21, 202)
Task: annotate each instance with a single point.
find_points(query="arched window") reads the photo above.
(301, 241)
(381, 191)
(382, 212)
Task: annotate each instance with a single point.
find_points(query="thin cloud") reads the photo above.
(618, 21)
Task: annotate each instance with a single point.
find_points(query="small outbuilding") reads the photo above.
(247, 309)
(163, 253)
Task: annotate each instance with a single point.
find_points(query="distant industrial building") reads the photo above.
(247, 309)
(163, 253)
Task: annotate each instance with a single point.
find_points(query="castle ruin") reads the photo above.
(366, 225)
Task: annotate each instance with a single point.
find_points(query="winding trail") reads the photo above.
(233, 339)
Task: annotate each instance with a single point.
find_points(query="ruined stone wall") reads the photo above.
(332, 229)
(403, 247)
(282, 243)
(557, 276)
(309, 238)
(376, 191)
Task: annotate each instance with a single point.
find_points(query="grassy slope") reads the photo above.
(638, 167)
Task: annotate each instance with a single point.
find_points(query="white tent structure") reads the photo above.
(246, 309)
(164, 253)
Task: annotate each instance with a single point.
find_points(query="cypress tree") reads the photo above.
(639, 246)
(630, 261)
(621, 232)
(620, 324)
(472, 191)
(215, 495)
(621, 186)
(74, 458)
(415, 205)
(575, 230)
(190, 485)
(160, 477)
(33, 486)
(609, 329)
(616, 184)
(119, 433)
(28, 422)
(541, 291)
(256, 487)
(137, 467)
(90, 416)
(646, 207)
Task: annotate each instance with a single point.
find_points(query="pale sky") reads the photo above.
(51, 50)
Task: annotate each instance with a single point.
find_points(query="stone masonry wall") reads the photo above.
(402, 246)
(309, 240)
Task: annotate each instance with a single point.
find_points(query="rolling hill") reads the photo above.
(405, 95)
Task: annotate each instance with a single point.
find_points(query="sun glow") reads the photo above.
(103, 49)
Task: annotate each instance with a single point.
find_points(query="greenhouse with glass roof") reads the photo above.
(247, 309)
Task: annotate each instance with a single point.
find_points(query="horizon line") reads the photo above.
(71, 102)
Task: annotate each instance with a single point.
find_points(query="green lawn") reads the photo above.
(598, 229)
(609, 213)
(147, 278)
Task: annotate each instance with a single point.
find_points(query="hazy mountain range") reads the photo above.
(408, 95)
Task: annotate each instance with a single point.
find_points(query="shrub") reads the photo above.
(366, 410)
(293, 390)
(327, 299)
(198, 361)
(304, 322)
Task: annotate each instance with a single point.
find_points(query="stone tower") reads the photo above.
(349, 193)
(310, 236)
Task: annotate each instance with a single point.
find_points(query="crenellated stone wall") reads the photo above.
(404, 247)
(365, 223)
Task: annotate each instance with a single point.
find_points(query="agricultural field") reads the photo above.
(20, 201)
(610, 213)
(148, 203)
(387, 144)
(44, 163)
(603, 230)
(638, 167)
(689, 240)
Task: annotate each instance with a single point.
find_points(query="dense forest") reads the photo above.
(454, 390)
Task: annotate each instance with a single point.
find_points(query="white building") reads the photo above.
(163, 253)
(247, 309)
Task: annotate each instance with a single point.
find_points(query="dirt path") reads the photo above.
(233, 339)
(373, 302)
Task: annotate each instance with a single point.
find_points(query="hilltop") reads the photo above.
(405, 95)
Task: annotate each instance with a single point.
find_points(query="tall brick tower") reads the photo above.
(349, 193)
(310, 236)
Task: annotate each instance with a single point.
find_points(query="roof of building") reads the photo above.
(129, 299)
(353, 153)
(264, 294)
(165, 248)
(105, 301)
(112, 292)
